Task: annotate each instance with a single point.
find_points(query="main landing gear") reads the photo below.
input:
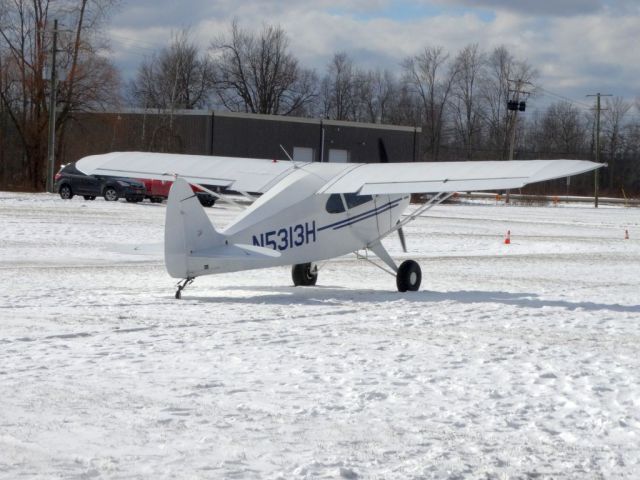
(408, 274)
(304, 274)
(182, 285)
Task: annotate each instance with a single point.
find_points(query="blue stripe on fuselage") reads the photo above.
(362, 216)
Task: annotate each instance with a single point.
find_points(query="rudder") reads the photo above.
(187, 229)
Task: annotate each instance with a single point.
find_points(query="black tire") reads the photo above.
(206, 202)
(133, 199)
(409, 276)
(156, 199)
(111, 194)
(304, 274)
(65, 192)
(89, 197)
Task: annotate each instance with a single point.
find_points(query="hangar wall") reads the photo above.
(237, 135)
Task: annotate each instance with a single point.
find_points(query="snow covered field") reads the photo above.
(513, 361)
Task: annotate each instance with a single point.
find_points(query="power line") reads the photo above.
(566, 99)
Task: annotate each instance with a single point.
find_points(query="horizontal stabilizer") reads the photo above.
(228, 258)
(240, 251)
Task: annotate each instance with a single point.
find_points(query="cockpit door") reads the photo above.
(383, 209)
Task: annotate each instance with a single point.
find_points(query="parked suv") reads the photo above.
(70, 181)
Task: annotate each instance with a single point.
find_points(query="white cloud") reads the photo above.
(577, 46)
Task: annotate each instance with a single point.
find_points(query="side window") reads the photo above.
(353, 200)
(334, 204)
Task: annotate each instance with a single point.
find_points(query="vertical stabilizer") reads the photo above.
(187, 229)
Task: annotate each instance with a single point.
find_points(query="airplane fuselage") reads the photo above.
(303, 226)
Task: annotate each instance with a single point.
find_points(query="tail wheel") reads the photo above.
(409, 276)
(65, 192)
(304, 274)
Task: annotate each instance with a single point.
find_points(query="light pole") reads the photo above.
(51, 143)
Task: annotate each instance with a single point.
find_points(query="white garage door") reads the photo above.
(303, 154)
(338, 156)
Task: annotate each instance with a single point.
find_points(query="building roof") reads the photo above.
(264, 117)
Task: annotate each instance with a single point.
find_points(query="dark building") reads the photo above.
(238, 135)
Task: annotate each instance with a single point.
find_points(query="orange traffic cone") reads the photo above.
(626, 234)
(507, 239)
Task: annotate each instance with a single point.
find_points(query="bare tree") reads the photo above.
(257, 73)
(501, 67)
(561, 131)
(628, 169)
(377, 90)
(25, 43)
(339, 89)
(466, 101)
(404, 110)
(431, 79)
(179, 77)
(613, 116)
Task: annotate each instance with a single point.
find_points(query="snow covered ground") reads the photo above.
(513, 361)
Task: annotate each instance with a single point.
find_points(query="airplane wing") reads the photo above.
(428, 177)
(239, 174)
(256, 175)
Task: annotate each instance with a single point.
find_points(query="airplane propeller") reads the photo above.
(382, 152)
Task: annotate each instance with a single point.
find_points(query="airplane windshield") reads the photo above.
(353, 200)
(334, 204)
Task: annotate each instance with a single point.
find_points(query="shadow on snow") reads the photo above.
(330, 295)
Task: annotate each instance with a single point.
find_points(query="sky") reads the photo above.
(578, 47)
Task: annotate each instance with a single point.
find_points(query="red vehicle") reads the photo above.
(158, 191)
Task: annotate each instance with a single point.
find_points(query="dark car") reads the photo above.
(70, 181)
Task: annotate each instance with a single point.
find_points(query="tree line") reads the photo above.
(459, 99)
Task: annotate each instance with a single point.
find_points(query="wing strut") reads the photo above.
(433, 201)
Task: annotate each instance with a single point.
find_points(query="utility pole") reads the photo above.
(596, 172)
(515, 105)
(51, 144)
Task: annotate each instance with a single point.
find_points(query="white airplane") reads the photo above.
(308, 212)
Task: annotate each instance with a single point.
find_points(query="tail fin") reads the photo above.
(187, 229)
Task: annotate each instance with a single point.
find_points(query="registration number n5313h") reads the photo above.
(287, 237)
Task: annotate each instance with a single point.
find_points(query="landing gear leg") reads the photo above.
(182, 285)
(408, 274)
